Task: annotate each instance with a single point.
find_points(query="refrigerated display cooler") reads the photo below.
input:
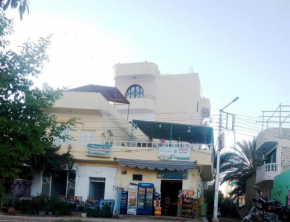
(145, 198)
(124, 202)
(132, 199)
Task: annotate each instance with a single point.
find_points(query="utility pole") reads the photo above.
(217, 176)
(234, 129)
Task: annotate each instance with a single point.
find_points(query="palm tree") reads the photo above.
(239, 164)
(21, 4)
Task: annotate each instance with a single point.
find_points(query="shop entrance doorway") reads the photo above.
(97, 188)
(169, 196)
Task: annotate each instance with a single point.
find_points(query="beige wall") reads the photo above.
(144, 69)
(176, 96)
(79, 152)
(95, 113)
(150, 176)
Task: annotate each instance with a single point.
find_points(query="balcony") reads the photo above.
(267, 172)
(132, 144)
(144, 104)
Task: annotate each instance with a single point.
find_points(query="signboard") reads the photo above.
(99, 150)
(166, 174)
(174, 153)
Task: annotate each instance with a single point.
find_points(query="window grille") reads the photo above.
(135, 91)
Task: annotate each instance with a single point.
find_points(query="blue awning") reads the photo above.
(159, 165)
(175, 131)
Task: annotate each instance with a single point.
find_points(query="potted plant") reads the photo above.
(41, 205)
(84, 212)
(108, 137)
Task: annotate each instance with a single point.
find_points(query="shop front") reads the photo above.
(167, 180)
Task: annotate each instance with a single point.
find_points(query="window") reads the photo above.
(64, 133)
(88, 137)
(137, 177)
(271, 157)
(62, 183)
(135, 91)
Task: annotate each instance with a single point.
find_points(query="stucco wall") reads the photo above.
(79, 153)
(274, 134)
(36, 184)
(281, 187)
(83, 175)
(177, 97)
(148, 85)
(136, 69)
(285, 157)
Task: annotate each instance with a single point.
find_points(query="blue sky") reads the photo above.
(239, 48)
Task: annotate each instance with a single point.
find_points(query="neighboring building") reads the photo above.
(281, 188)
(131, 155)
(274, 145)
(163, 98)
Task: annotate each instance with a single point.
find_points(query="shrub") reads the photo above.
(106, 211)
(92, 212)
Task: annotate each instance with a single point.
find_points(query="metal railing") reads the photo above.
(132, 144)
(147, 96)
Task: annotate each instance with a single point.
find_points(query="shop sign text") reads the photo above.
(99, 150)
(174, 153)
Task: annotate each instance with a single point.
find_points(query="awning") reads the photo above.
(159, 165)
(111, 94)
(174, 131)
(266, 146)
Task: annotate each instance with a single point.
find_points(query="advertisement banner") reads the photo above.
(174, 153)
(99, 150)
(166, 174)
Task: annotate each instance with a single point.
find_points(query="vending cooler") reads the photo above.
(124, 202)
(145, 198)
(132, 199)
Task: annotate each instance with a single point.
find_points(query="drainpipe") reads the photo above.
(132, 130)
(170, 134)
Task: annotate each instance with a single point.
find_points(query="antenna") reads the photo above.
(191, 69)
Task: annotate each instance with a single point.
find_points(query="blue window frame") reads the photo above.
(135, 91)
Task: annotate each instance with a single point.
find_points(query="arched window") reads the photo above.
(135, 91)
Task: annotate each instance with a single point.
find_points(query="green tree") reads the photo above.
(209, 198)
(228, 208)
(27, 132)
(240, 163)
(22, 6)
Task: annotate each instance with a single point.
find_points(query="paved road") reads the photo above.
(222, 219)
